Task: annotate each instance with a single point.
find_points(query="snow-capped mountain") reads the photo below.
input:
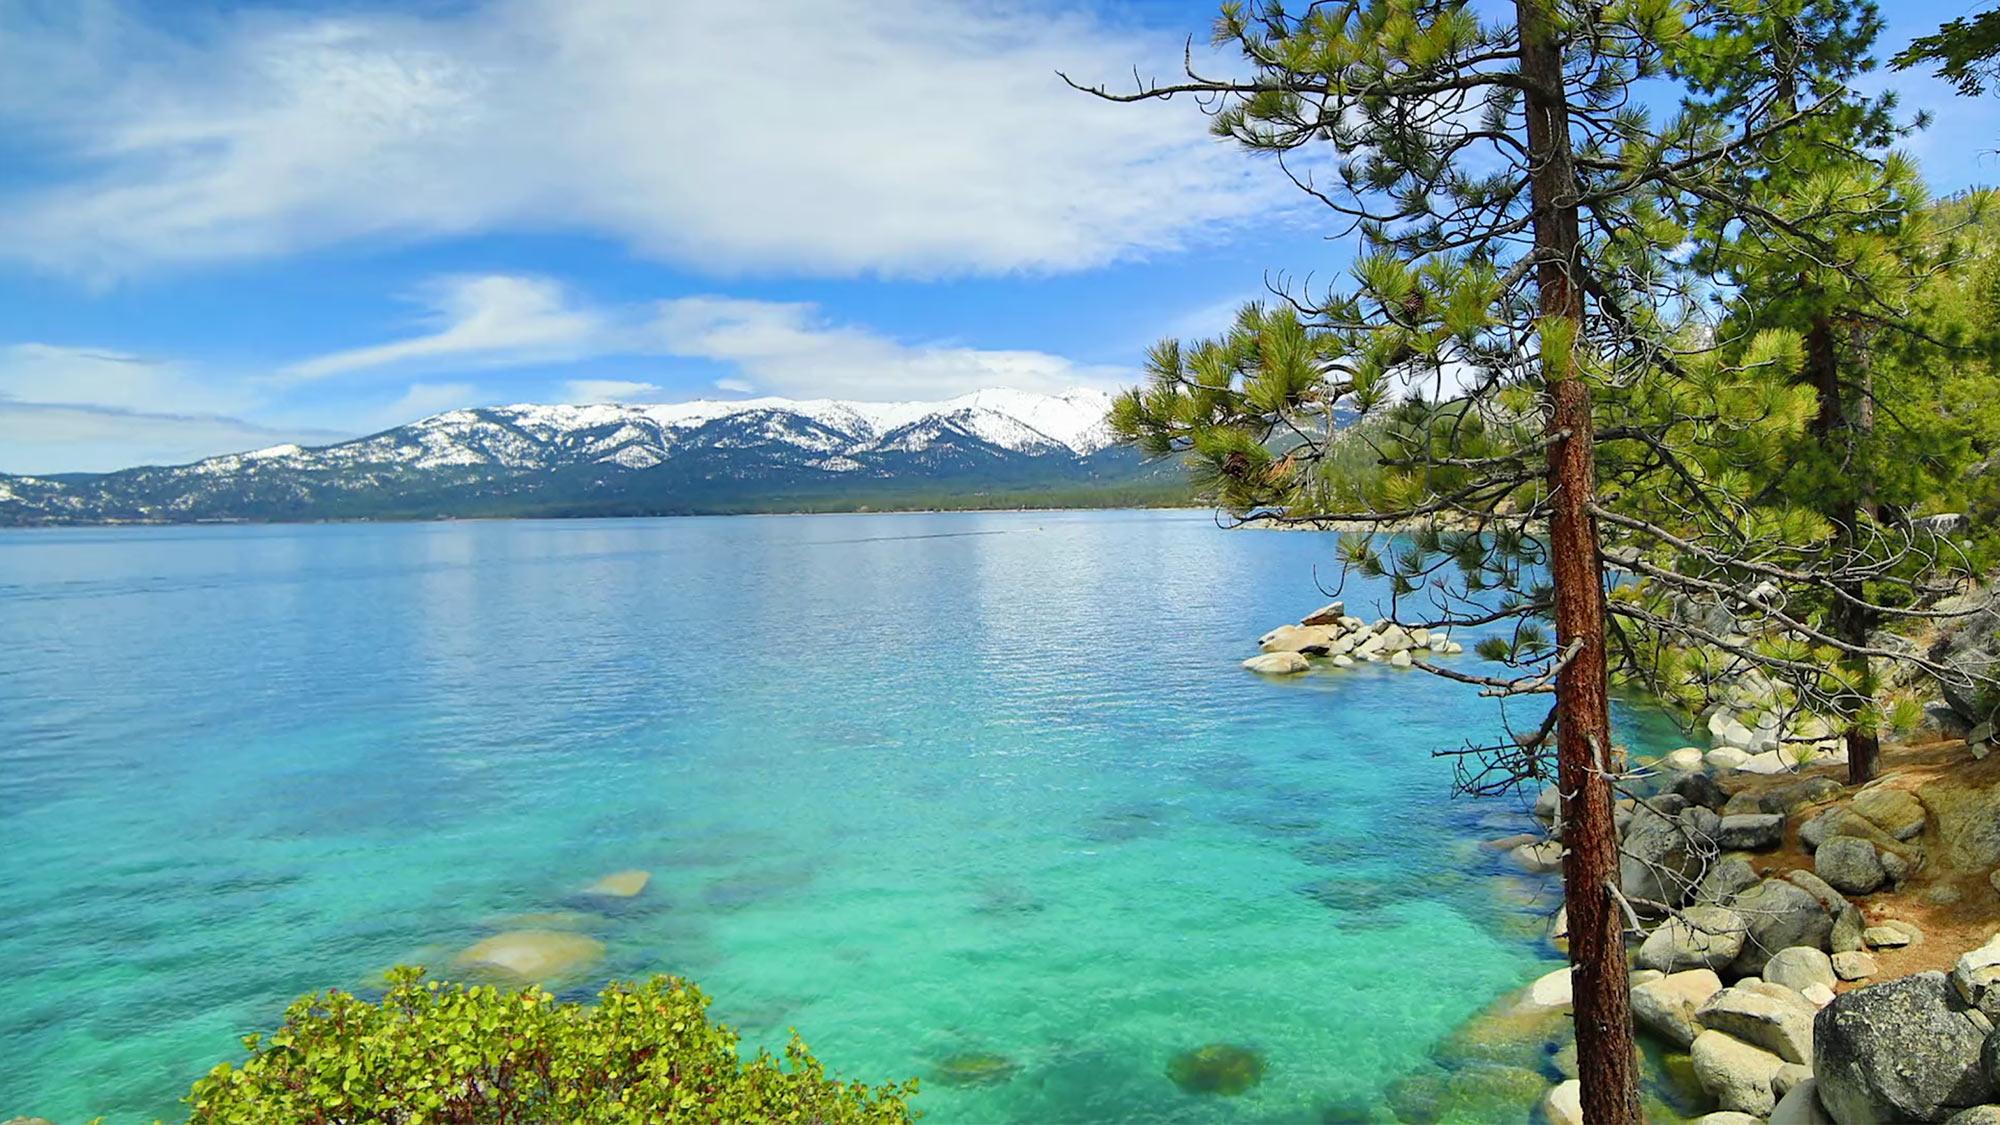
(744, 455)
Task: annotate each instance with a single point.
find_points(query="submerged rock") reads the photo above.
(1216, 1068)
(1278, 664)
(620, 884)
(976, 1068)
(534, 955)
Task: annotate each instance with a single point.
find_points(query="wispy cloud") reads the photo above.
(936, 140)
(493, 318)
(40, 437)
(787, 348)
(791, 349)
(610, 390)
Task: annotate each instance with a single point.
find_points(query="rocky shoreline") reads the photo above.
(1805, 952)
(1818, 954)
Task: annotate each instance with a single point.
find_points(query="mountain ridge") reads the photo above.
(765, 454)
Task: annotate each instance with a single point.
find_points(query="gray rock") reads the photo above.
(1737, 1074)
(1798, 967)
(1895, 811)
(1849, 864)
(1854, 966)
(1699, 937)
(1896, 868)
(1278, 664)
(1847, 921)
(1966, 819)
(1977, 1115)
(1788, 1078)
(1724, 880)
(1538, 859)
(1976, 977)
(1728, 1117)
(1666, 1006)
(1698, 788)
(1664, 852)
(1805, 791)
(1778, 914)
(1903, 1050)
(1892, 934)
(1800, 1106)
(1772, 1017)
(1548, 804)
(1752, 832)
(1848, 928)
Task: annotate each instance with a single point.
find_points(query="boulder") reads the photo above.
(1895, 868)
(1539, 858)
(1728, 1117)
(1854, 966)
(1548, 805)
(1736, 1074)
(1697, 788)
(1550, 993)
(1902, 1050)
(1754, 832)
(1976, 977)
(1967, 821)
(1841, 821)
(1663, 852)
(1849, 864)
(1977, 1115)
(1892, 933)
(1343, 661)
(1400, 659)
(1278, 664)
(1684, 760)
(1788, 1076)
(1666, 1006)
(1774, 1018)
(1724, 880)
(1820, 995)
(1770, 762)
(1699, 937)
(1895, 811)
(1727, 757)
(1778, 915)
(1564, 1105)
(1805, 791)
(1314, 639)
(1799, 966)
(536, 956)
(1328, 614)
(1800, 1106)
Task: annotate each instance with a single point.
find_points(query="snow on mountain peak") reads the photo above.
(1019, 420)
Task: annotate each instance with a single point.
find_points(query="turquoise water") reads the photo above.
(918, 785)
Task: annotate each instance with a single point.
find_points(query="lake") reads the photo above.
(921, 786)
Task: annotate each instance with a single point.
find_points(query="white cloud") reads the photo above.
(494, 318)
(785, 348)
(107, 377)
(790, 349)
(65, 438)
(610, 390)
(935, 139)
(422, 400)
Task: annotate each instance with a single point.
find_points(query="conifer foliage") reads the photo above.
(1552, 413)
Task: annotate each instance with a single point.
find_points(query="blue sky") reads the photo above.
(228, 224)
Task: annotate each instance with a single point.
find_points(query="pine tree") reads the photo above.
(1538, 397)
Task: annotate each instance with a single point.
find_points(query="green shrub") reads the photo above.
(432, 1052)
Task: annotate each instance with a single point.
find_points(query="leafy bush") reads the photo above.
(432, 1052)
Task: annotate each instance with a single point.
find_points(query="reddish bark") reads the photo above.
(1605, 1056)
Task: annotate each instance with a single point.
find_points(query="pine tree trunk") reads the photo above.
(1605, 1054)
(1847, 622)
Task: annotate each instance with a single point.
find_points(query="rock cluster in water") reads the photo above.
(1342, 641)
(547, 947)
